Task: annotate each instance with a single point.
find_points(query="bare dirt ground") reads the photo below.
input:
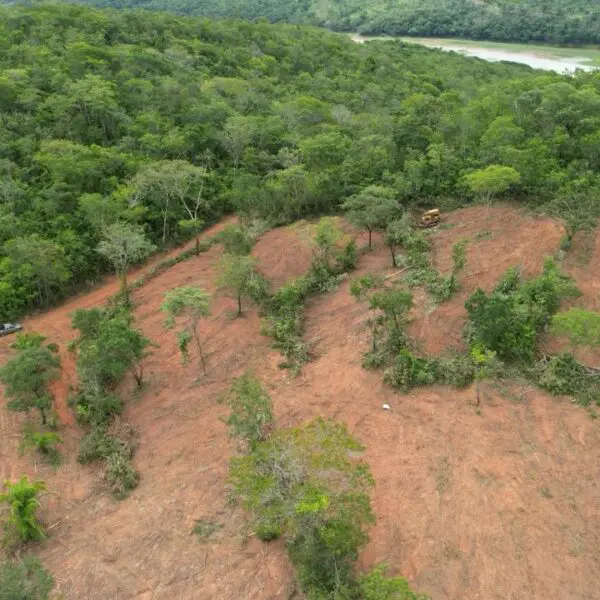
(501, 503)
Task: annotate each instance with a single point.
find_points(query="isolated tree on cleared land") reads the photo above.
(190, 302)
(372, 208)
(26, 378)
(239, 275)
(396, 235)
(124, 245)
(251, 409)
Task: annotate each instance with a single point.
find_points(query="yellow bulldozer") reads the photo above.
(430, 218)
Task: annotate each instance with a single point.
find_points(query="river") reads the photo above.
(547, 58)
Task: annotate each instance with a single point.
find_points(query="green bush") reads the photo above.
(376, 586)
(22, 500)
(25, 579)
(99, 445)
(409, 371)
(509, 320)
(96, 408)
(346, 259)
(458, 371)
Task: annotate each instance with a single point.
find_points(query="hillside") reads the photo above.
(491, 503)
(552, 21)
(245, 370)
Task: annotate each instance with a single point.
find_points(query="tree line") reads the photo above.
(164, 123)
(551, 21)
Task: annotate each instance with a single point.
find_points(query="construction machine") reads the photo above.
(429, 218)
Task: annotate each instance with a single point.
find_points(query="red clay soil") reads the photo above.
(471, 505)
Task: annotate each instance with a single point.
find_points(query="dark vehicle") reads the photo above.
(6, 328)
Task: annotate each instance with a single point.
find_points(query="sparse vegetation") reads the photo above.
(107, 348)
(194, 304)
(44, 442)
(284, 320)
(126, 133)
(24, 579)
(204, 529)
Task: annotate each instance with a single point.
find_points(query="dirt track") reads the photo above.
(503, 504)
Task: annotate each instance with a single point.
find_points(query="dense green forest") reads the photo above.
(164, 121)
(554, 21)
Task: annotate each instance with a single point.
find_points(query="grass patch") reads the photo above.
(204, 529)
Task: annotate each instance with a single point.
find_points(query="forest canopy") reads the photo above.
(160, 121)
(553, 21)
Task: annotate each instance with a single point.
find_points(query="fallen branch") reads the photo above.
(396, 273)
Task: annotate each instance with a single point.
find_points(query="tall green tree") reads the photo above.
(239, 275)
(372, 208)
(177, 188)
(492, 181)
(124, 245)
(26, 378)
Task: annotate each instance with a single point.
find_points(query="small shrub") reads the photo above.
(203, 529)
(23, 503)
(376, 586)
(44, 442)
(99, 445)
(409, 371)
(375, 359)
(236, 239)
(563, 375)
(346, 259)
(120, 476)
(457, 371)
(96, 408)
(268, 531)
(29, 339)
(24, 580)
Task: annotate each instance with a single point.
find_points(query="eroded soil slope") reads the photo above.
(497, 503)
